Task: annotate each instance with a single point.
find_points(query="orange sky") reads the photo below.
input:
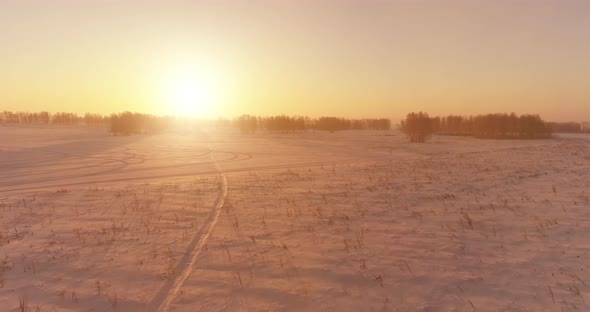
(342, 57)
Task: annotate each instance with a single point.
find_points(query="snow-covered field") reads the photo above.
(211, 220)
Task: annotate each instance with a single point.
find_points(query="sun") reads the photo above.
(191, 92)
(189, 96)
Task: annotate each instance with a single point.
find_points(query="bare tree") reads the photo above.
(417, 126)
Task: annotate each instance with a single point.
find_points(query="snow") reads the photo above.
(212, 220)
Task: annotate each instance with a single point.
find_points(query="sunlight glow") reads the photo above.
(192, 92)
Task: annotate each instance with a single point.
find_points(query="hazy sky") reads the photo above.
(347, 58)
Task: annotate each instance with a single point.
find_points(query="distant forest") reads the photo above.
(128, 123)
(120, 124)
(7, 117)
(483, 126)
(287, 124)
(419, 126)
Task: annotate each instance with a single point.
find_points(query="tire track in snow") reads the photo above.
(125, 164)
(25, 188)
(172, 286)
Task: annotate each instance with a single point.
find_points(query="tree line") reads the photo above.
(419, 126)
(125, 123)
(59, 118)
(568, 127)
(128, 123)
(289, 124)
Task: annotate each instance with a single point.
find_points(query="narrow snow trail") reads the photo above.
(172, 286)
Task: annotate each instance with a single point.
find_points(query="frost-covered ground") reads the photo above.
(210, 220)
